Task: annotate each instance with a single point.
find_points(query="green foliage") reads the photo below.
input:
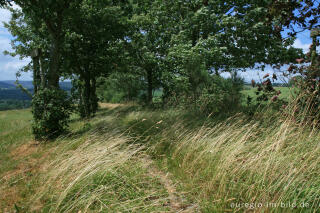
(222, 95)
(51, 110)
(180, 47)
(214, 94)
(85, 97)
(120, 87)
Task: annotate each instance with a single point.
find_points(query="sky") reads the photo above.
(9, 65)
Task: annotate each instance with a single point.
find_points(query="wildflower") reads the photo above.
(274, 98)
(267, 82)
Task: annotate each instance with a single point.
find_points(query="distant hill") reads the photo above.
(5, 85)
(9, 91)
(10, 84)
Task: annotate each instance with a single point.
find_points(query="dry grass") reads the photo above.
(236, 165)
(232, 166)
(104, 173)
(237, 162)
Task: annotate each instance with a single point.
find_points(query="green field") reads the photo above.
(286, 92)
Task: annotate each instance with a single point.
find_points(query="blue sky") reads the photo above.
(9, 65)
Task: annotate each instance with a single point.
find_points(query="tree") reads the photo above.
(52, 14)
(41, 36)
(148, 43)
(30, 39)
(191, 40)
(91, 34)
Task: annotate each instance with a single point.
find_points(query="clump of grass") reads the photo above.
(239, 162)
(103, 173)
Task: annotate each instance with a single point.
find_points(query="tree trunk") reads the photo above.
(150, 86)
(93, 96)
(53, 74)
(42, 74)
(87, 93)
(36, 74)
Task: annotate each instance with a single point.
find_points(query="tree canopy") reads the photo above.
(179, 47)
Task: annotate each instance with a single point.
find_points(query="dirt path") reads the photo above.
(177, 202)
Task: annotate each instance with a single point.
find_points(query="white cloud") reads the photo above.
(4, 44)
(298, 44)
(9, 65)
(5, 16)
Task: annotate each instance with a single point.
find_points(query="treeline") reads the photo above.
(8, 104)
(14, 94)
(130, 49)
(15, 98)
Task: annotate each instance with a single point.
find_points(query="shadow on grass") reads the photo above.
(147, 122)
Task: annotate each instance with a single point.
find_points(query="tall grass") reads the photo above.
(238, 165)
(268, 164)
(246, 163)
(103, 173)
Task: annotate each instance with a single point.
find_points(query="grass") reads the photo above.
(234, 165)
(286, 93)
(94, 168)
(14, 131)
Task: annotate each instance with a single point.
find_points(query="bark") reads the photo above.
(36, 74)
(93, 96)
(55, 56)
(150, 86)
(87, 93)
(42, 74)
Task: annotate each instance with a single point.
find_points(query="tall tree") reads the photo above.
(42, 35)
(91, 33)
(52, 14)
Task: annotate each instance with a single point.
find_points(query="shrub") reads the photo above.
(120, 87)
(51, 110)
(217, 94)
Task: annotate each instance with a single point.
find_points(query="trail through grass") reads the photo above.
(95, 168)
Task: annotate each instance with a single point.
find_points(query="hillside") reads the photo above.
(6, 85)
(130, 159)
(10, 84)
(12, 97)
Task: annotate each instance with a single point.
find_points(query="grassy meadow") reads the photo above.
(286, 92)
(131, 159)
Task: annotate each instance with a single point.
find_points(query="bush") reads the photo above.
(217, 94)
(120, 87)
(51, 110)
